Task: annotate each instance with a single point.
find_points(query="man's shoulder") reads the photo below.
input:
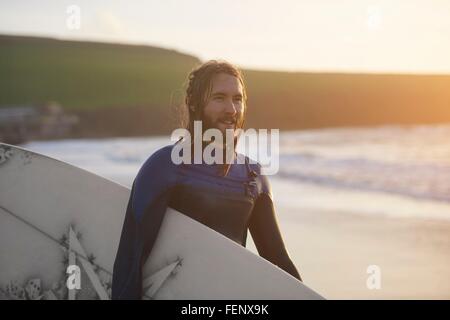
(158, 161)
(161, 155)
(154, 177)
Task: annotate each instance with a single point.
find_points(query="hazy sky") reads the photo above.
(317, 35)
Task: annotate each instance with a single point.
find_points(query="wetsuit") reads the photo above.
(229, 204)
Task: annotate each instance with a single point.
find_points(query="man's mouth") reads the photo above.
(228, 122)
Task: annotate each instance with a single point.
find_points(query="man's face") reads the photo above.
(225, 106)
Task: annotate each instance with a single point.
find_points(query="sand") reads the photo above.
(332, 248)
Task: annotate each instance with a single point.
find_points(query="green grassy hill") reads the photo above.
(86, 74)
(131, 90)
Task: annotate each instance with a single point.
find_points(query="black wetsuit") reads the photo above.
(229, 204)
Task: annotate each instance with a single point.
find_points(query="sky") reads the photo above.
(379, 36)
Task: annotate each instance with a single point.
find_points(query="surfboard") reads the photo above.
(60, 228)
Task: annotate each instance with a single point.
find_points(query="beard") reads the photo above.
(209, 123)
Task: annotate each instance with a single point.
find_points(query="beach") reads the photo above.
(333, 249)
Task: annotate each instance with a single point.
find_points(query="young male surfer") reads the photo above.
(228, 197)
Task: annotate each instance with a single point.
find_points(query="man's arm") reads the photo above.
(267, 236)
(145, 211)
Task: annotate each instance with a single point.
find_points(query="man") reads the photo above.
(229, 198)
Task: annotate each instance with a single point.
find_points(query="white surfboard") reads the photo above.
(54, 215)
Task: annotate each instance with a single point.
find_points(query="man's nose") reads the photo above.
(230, 107)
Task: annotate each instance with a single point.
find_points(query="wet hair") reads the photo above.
(199, 86)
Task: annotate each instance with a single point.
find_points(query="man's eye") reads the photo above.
(218, 98)
(239, 99)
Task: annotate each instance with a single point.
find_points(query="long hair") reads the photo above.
(198, 90)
